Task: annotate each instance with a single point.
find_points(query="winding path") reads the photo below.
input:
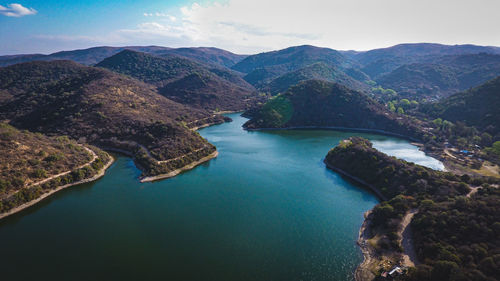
(171, 159)
(94, 157)
(409, 257)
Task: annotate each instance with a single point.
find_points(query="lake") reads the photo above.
(265, 209)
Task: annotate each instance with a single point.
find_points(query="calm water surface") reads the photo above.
(265, 209)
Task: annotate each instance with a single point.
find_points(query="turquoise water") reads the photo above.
(265, 209)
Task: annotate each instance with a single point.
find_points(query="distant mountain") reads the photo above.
(316, 103)
(319, 71)
(379, 61)
(446, 75)
(101, 107)
(184, 80)
(479, 107)
(91, 56)
(207, 55)
(276, 71)
(290, 58)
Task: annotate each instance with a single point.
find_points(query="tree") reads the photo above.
(391, 106)
(486, 139)
(405, 103)
(400, 110)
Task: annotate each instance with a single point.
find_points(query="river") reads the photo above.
(265, 209)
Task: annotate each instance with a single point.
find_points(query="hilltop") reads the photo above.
(185, 81)
(317, 103)
(101, 107)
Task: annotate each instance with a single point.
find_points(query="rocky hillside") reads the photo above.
(100, 107)
(34, 164)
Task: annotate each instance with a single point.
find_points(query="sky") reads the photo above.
(244, 26)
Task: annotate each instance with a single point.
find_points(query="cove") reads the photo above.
(266, 208)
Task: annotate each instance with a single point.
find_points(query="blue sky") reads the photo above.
(244, 26)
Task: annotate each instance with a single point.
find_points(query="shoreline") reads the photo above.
(51, 192)
(363, 272)
(372, 188)
(336, 128)
(180, 170)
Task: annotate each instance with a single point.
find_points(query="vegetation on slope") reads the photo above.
(379, 61)
(103, 108)
(317, 103)
(442, 76)
(265, 67)
(184, 80)
(320, 71)
(456, 236)
(478, 107)
(30, 160)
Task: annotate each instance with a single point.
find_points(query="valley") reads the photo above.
(67, 116)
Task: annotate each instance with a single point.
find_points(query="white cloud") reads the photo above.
(16, 10)
(244, 26)
(258, 25)
(164, 15)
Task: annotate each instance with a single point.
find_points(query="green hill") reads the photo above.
(316, 103)
(264, 67)
(172, 75)
(319, 71)
(478, 107)
(443, 76)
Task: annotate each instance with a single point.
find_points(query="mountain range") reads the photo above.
(417, 71)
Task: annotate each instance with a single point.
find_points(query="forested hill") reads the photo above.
(293, 62)
(317, 103)
(379, 61)
(320, 71)
(478, 107)
(185, 81)
(444, 75)
(100, 107)
(456, 234)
